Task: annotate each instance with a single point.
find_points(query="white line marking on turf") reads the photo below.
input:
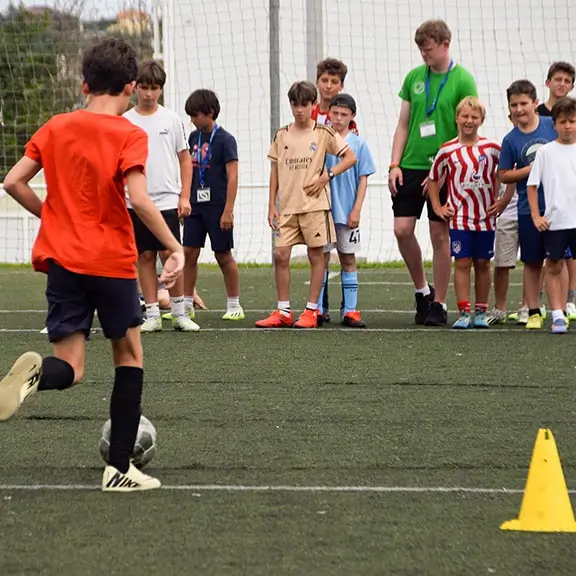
(319, 330)
(281, 488)
(330, 276)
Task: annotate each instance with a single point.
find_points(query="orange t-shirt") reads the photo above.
(85, 226)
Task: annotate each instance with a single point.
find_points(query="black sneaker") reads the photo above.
(353, 320)
(423, 304)
(437, 315)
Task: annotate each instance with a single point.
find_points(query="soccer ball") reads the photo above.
(144, 447)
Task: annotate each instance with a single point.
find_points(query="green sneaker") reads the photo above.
(235, 314)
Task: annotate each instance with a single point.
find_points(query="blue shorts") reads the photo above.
(205, 221)
(73, 298)
(559, 243)
(531, 241)
(476, 244)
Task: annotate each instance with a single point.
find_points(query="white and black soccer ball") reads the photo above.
(144, 448)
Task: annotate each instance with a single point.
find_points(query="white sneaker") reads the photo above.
(152, 325)
(21, 382)
(184, 324)
(234, 314)
(134, 480)
(571, 310)
(523, 316)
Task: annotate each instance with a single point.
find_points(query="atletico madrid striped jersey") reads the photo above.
(470, 173)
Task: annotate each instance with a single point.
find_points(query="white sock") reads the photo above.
(233, 303)
(444, 307)
(284, 307)
(153, 310)
(312, 305)
(424, 291)
(188, 303)
(177, 306)
(557, 314)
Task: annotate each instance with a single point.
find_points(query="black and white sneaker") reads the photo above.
(423, 304)
(132, 481)
(437, 315)
(20, 383)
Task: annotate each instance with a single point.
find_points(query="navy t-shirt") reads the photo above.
(520, 148)
(222, 150)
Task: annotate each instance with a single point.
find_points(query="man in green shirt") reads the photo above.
(430, 94)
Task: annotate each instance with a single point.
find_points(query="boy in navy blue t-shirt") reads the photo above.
(519, 148)
(214, 188)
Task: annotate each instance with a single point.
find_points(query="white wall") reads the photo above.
(223, 45)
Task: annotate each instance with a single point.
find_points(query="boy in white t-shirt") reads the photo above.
(555, 169)
(169, 181)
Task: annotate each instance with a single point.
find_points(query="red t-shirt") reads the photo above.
(323, 117)
(85, 226)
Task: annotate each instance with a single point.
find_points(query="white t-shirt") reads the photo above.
(166, 139)
(511, 211)
(555, 168)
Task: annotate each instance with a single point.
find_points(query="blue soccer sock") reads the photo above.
(349, 291)
(322, 290)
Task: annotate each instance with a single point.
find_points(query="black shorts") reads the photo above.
(205, 221)
(73, 298)
(409, 200)
(557, 242)
(145, 240)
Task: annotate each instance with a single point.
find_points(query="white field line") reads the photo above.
(279, 488)
(319, 330)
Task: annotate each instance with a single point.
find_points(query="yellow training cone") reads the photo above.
(546, 505)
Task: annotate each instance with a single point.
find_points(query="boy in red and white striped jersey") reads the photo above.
(469, 166)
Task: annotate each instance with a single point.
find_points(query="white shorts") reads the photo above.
(506, 244)
(347, 240)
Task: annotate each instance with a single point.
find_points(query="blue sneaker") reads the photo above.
(559, 326)
(480, 320)
(463, 322)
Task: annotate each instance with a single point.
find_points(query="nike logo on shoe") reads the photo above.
(119, 480)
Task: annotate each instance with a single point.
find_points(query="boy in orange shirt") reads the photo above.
(86, 247)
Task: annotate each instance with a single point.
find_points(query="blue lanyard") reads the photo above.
(430, 109)
(203, 160)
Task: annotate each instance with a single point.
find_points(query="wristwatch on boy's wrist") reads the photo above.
(331, 174)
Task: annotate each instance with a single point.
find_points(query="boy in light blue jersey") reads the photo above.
(347, 192)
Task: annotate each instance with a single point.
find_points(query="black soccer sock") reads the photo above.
(57, 374)
(533, 311)
(125, 415)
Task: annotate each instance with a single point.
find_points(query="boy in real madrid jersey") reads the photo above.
(299, 182)
(347, 193)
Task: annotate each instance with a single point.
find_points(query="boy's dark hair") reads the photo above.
(436, 30)
(151, 73)
(564, 107)
(108, 66)
(202, 101)
(565, 67)
(345, 101)
(302, 93)
(522, 87)
(333, 67)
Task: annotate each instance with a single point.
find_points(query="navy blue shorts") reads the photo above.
(531, 241)
(476, 244)
(205, 221)
(559, 243)
(73, 299)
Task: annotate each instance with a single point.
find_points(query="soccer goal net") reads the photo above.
(249, 52)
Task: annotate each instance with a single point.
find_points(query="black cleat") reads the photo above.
(437, 315)
(423, 304)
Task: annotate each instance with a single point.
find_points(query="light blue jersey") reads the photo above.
(343, 187)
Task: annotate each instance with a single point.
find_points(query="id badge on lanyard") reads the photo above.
(203, 193)
(428, 128)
